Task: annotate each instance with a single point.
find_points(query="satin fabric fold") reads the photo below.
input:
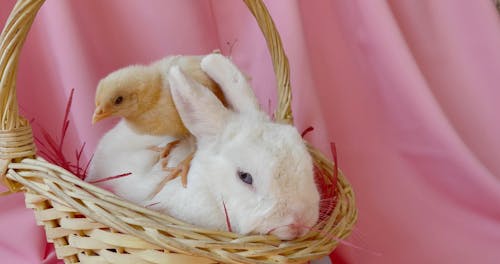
(407, 90)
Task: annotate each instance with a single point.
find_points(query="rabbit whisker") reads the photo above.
(152, 204)
(278, 227)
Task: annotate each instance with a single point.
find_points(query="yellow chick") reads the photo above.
(141, 95)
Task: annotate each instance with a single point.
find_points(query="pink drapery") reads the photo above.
(406, 89)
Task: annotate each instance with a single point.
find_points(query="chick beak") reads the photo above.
(99, 114)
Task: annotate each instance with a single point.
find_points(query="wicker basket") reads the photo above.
(90, 225)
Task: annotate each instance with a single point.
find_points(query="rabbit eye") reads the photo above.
(245, 177)
(118, 100)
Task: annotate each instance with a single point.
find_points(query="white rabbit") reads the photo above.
(261, 170)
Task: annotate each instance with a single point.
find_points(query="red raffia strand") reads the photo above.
(78, 156)
(65, 124)
(49, 247)
(111, 178)
(87, 166)
(327, 192)
(52, 149)
(306, 131)
(333, 149)
(327, 188)
(228, 222)
(53, 152)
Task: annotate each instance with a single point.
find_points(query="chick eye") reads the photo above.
(118, 100)
(245, 177)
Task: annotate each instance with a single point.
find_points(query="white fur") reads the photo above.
(283, 192)
(121, 150)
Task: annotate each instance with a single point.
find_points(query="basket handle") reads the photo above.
(11, 42)
(16, 137)
(258, 9)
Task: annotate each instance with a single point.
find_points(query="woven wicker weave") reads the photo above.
(91, 225)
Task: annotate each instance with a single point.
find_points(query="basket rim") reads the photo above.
(63, 188)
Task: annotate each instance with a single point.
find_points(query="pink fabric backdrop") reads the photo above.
(408, 91)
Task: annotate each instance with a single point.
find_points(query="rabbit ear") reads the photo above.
(200, 110)
(233, 82)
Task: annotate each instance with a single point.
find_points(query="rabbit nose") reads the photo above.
(289, 232)
(293, 230)
(286, 233)
(297, 227)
